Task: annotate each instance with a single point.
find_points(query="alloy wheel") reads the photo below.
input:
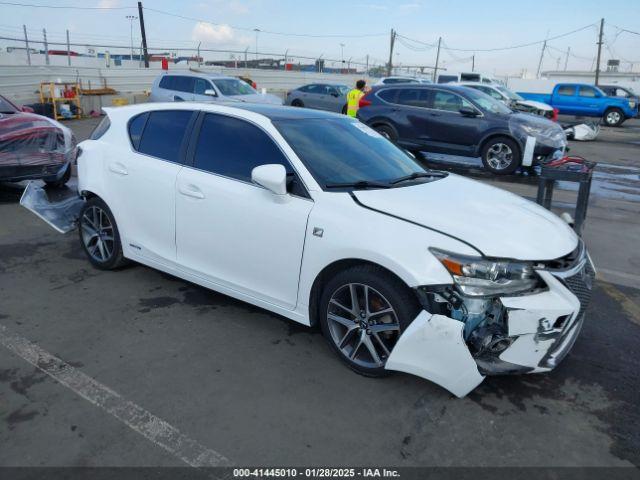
(363, 324)
(499, 156)
(613, 118)
(97, 234)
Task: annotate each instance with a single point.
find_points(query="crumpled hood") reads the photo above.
(497, 222)
(534, 104)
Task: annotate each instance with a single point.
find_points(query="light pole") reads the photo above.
(257, 30)
(131, 18)
(342, 45)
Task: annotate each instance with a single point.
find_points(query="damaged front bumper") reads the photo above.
(518, 334)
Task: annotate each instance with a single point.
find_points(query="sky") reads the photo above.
(319, 27)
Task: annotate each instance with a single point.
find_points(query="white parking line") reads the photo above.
(132, 415)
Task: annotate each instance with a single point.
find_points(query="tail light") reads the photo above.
(364, 102)
(288, 93)
(555, 115)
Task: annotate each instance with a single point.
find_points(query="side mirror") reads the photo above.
(468, 112)
(210, 92)
(273, 177)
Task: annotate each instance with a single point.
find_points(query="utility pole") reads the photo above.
(257, 30)
(246, 50)
(393, 41)
(131, 18)
(435, 70)
(26, 44)
(143, 34)
(566, 59)
(46, 46)
(68, 50)
(199, 62)
(473, 62)
(599, 51)
(544, 47)
(366, 71)
(342, 54)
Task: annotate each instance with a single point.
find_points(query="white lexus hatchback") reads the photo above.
(316, 217)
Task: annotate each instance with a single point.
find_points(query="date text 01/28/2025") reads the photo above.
(315, 473)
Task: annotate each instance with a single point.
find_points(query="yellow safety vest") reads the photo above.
(353, 101)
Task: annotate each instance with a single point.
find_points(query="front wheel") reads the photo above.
(613, 117)
(297, 103)
(501, 156)
(363, 312)
(99, 235)
(387, 132)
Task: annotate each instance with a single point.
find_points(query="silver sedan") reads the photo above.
(320, 96)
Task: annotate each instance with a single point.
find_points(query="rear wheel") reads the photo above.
(99, 235)
(501, 155)
(297, 103)
(613, 117)
(363, 312)
(387, 132)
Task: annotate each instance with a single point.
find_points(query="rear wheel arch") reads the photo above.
(332, 270)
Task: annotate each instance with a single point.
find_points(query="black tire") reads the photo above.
(86, 223)
(383, 287)
(297, 103)
(387, 132)
(61, 181)
(488, 154)
(613, 117)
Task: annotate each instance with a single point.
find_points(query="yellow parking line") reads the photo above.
(627, 304)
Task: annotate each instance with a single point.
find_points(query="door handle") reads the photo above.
(118, 168)
(191, 191)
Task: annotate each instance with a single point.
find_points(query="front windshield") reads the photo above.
(510, 95)
(231, 86)
(6, 107)
(344, 151)
(487, 103)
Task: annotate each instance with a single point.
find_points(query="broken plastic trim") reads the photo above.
(61, 214)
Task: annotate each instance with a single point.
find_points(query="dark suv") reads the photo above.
(457, 120)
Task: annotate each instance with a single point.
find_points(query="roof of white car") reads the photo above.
(272, 112)
(191, 73)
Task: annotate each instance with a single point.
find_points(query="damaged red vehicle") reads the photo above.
(33, 147)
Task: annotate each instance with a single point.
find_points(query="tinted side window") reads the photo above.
(587, 92)
(184, 84)
(414, 97)
(388, 95)
(167, 82)
(164, 134)
(232, 147)
(136, 126)
(567, 90)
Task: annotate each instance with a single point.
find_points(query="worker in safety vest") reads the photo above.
(354, 96)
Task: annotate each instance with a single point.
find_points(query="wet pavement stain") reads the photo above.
(152, 303)
(12, 251)
(22, 384)
(19, 416)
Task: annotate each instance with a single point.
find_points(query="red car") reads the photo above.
(33, 146)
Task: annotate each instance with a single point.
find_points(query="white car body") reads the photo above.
(497, 92)
(272, 247)
(401, 80)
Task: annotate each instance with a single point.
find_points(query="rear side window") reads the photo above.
(136, 126)
(388, 95)
(414, 97)
(310, 89)
(567, 90)
(449, 101)
(101, 129)
(164, 134)
(232, 147)
(184, 84)
(167, 82)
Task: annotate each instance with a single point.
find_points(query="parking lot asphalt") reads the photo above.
(243, 383)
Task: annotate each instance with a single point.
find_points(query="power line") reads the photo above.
(67, 7)
(286, 34)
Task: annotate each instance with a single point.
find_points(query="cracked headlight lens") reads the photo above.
(479, 277)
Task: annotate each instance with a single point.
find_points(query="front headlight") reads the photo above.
(478, 277)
